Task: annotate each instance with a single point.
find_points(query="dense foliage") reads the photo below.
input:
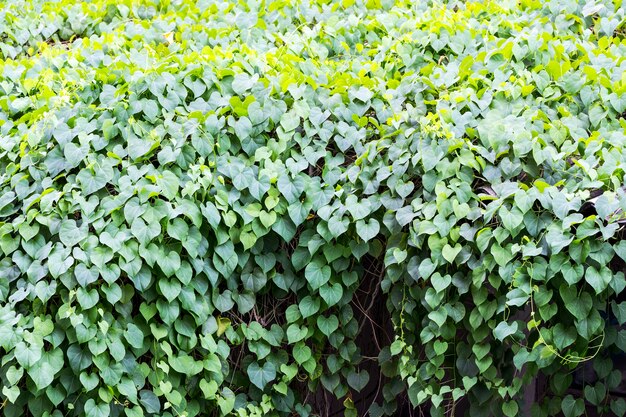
(195, 195)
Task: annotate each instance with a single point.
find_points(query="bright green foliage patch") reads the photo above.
(193, 193)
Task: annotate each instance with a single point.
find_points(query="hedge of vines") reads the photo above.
(193, 194)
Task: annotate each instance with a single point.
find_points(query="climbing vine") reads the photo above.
(203, 202)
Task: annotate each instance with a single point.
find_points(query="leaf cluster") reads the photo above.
(193, 195)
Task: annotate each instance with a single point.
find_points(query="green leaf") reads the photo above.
(309, 306)
(84, 275)
(94, 180)
(578, 304)
(101, 255)
(523, 202)
(170, 288)
(331, 293)
(440, 283)
(572, 407)
(618, 101)
(620, 249)
(503, 329)
(619, 310)
(599, 280)
(290, 188)
(595, 394)
(87, 299)
(483, 238)
(440, 347)
(243, 128)
(169, 263)
(261, 376)
(317, 273)
(89, 381)
(327, 325)
(557, 240)
(450, 253)
(134, 336)
(150, 401)
(399, 255)
(78, 358)
(367, 230)
(96, 410)
(209, 389)
(28, 231)
(358, 380)
(224, 301)
(337, 226)
(301, 353)
(11, 393)
(27, 354)
(145, 232)
(226, 402)
(178, 229)
(501, 255)
(75, 154)
(618, 406)
(510, 408)
(169, 184)
(225, 258)
(511, 219)
(14, 374)
(70, 234)
(438, 316)
(243, 82)
(572, 273)
(296, 333)
(43, 371)
(363, 94)
(185, 364)
(426, 268)
(358, 209)
(289, 121)
(563, 336)
(267, 219)
(247, 239)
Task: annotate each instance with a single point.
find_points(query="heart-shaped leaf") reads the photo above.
(331, 293)
(450, 253)
(261, 376)
(327, 325)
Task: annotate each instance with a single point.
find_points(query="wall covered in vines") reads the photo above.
(205, 204)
